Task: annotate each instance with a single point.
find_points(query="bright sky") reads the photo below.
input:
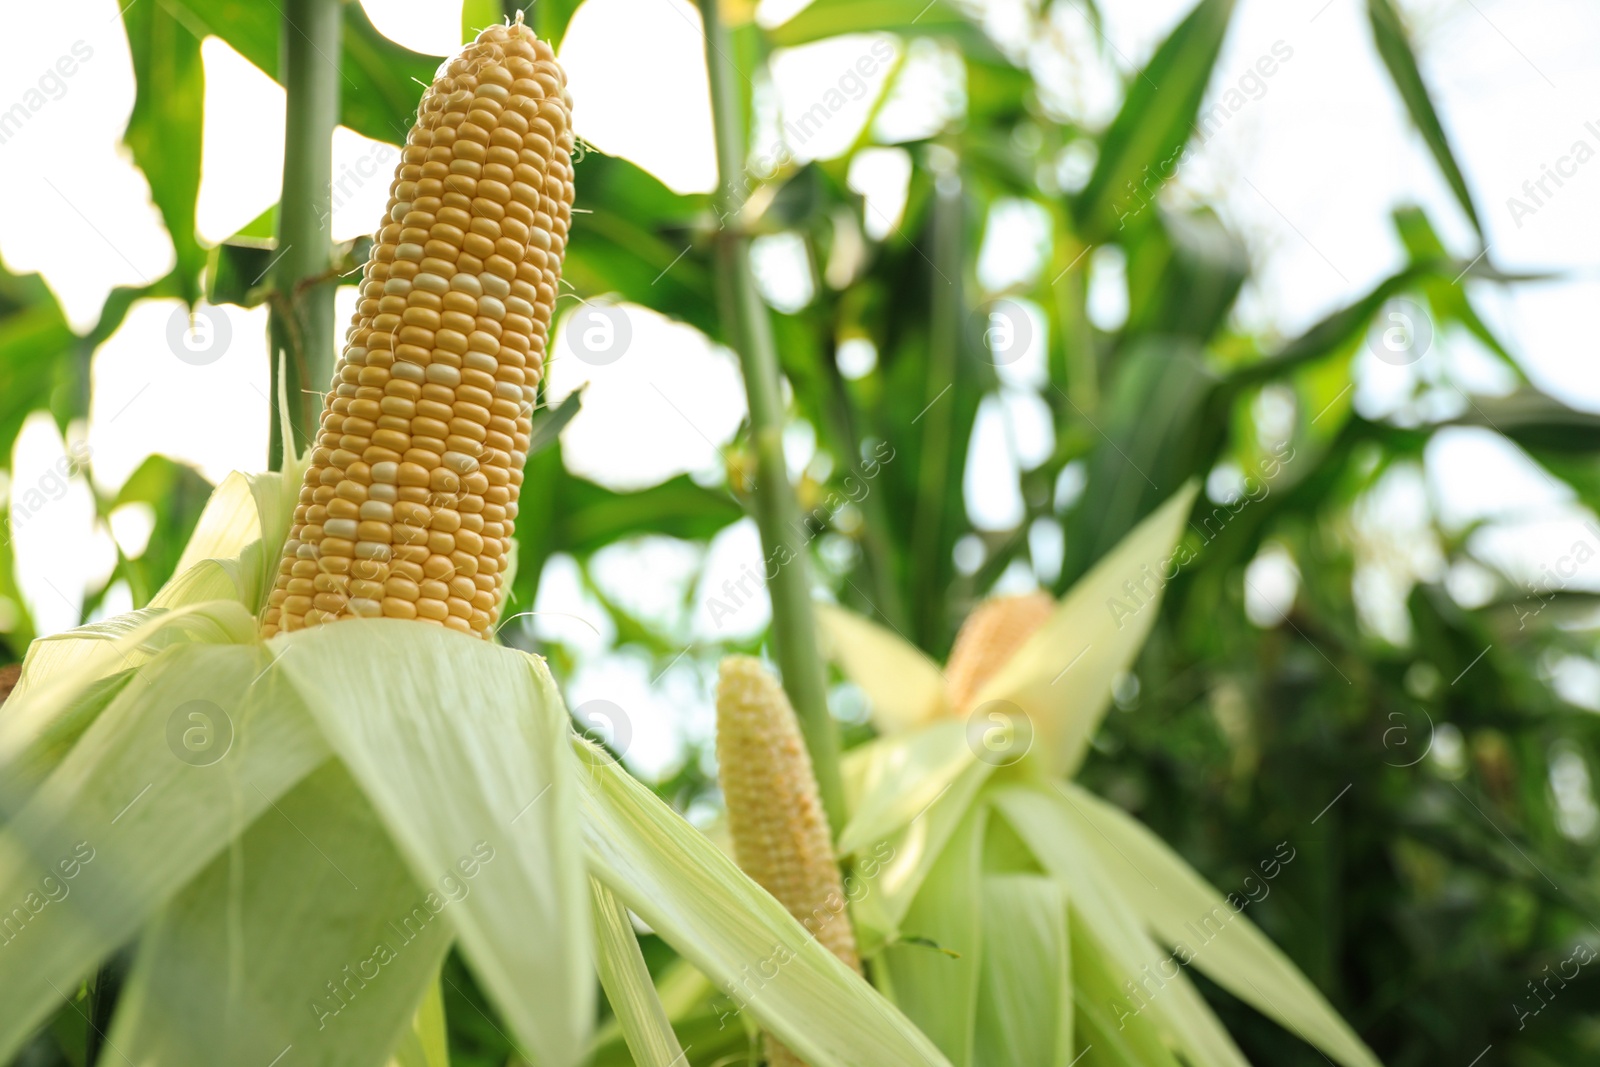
(1307, 170)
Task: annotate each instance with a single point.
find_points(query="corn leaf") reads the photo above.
(905, 688)
(164, 129)
(308, 935)
(1174, 1006)
(1156, 120)
(1112, 1033)
(1061, 677)
(459, 745)
(934, 969)
(1172, 898)
(124, 823)
(427, 1042)
(731, 930)
(242, 531)
(68, 677)
(1394, 46)
(899, 777)
(1025, 977)
(626, 980)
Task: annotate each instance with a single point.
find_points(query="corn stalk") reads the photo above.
(794, 634)
(301, 324)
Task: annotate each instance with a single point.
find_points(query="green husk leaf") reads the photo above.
(1061, 677)
(309, 934)
(1025, 983)
(626, 980)
(1112, 1034)
(1171, 897)
(139, 821)
(459, 746)
(934, 971)
(898, 777)
(427, 1042)
(730, 929)
(1174, 1006)
(905, 688)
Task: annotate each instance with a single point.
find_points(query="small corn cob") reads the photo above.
(992, 633)
(409, 504)
(779, 829)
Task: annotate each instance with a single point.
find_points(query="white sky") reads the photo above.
(1308, 173)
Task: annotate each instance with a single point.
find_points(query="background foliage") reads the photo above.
(1437, 872)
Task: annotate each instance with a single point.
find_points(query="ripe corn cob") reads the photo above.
(409, 504)
(992, 633)
(780, 832)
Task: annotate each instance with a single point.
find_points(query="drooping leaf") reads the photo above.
(1394, 46)
(136, 787)
(693, 896)
(164, 129)
(1061, 678)
(1171, 898)
(460, 747)
(309, 934)
(905, 688)
(1157, 117)
(626, 980)
(1025, 983)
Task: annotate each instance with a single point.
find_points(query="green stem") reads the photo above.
(794, 633)
(302, 312)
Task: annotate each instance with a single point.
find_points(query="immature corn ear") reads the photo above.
(779, 827)
(990, 636)
(409, 504)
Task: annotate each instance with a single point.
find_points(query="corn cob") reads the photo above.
(410, 502)
(992, 633)
(779, 829)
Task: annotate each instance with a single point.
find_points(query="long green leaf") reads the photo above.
(308, 936)
(693, 896)
(1181, 908)
(165, 127)
(1156, 120)
(1025, 986)
(139, 819)
(626, 980)
(1061, 677)
(1394, 45)
(427, 1043)
(460, 747)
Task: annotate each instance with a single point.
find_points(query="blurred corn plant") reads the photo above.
(1427, 772)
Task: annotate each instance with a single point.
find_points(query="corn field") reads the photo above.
(839, 533)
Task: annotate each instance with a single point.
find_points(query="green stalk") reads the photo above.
(794, 633)
(301, 323)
